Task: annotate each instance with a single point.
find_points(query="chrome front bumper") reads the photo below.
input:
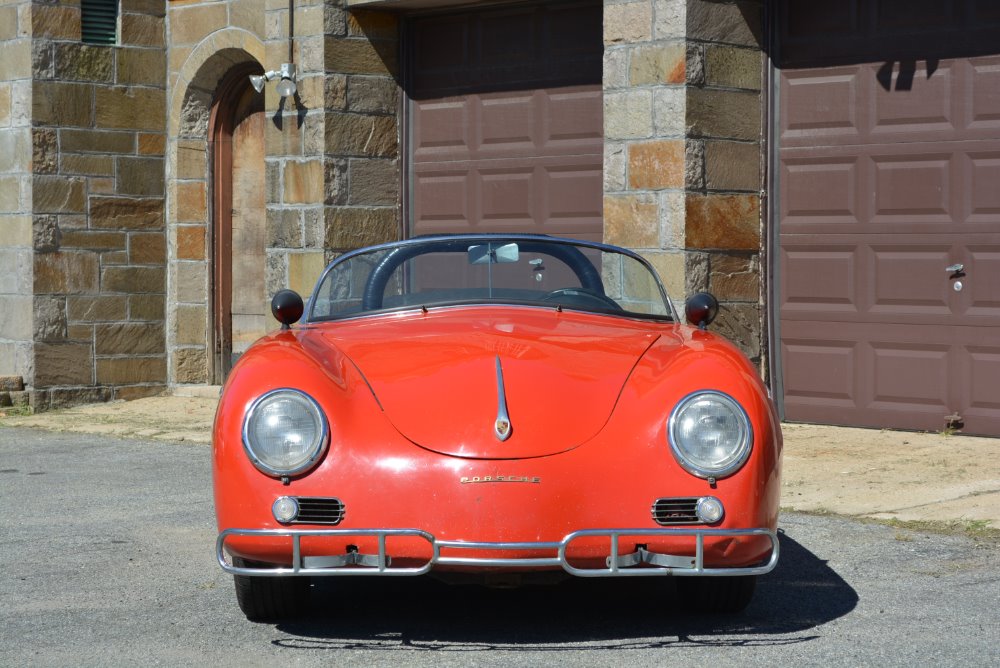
(617, 564)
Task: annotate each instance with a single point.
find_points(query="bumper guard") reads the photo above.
(617, 564)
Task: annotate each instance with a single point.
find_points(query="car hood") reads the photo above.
(435, 375)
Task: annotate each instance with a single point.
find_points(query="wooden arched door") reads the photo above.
(240, 308)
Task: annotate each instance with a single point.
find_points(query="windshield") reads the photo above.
(444, 271)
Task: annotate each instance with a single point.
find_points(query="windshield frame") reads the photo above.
(490, 238)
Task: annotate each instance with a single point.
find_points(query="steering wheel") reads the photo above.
(582, 297)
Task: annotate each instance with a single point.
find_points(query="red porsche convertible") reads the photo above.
(498, 408)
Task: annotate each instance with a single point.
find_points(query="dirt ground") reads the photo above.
(858, 472)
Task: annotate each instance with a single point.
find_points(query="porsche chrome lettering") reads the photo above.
(465, 480)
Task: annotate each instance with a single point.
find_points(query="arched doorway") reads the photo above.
(236, 149)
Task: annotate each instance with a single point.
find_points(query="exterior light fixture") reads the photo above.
(285, 76)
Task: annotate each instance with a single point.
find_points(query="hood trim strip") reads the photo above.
(502, 428)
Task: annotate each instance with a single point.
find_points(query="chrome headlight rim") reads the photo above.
(312, 460)
(742, 451)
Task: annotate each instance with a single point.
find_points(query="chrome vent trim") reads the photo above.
(676, 511)
(319, 510)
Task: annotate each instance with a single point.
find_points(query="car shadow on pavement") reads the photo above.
(635, 613)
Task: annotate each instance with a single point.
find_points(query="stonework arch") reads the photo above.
(192, 89)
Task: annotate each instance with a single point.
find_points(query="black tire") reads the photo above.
(270, 599)
(716, 595)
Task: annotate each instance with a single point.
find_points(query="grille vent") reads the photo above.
(99, 21)
(671, 512)
(319, 510)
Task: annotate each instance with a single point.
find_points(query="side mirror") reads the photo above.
(287, 307)
(700, 309)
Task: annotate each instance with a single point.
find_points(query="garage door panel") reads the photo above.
(507, 196)
(572, 128)
(434, 132)
(821, 190)
(983, 113)
(820, 371)
(928, 105)
(910, 377)
(915, 187)
(818, 280)
(982, 286)
(813, 106)
(910, 281)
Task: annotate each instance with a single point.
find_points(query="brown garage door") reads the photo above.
(506, 121)
(889, 205)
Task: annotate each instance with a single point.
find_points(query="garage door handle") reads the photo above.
(955, 268)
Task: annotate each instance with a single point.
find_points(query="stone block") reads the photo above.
(628, 22)
(192, 159)
(358, 56)
(371, 94)
(190, 282)
(58, 194)
(725, 22)
(87, 164)
(53, 21)
(65, 397)
(129, 370)
(191, 325)
(191, 242)
(142, 67)
(20, 399)
(724, 114)
(133, 392)
(303, 182)
(614, 166)
(694, 164)
(16, 60)
(733, 165)
(670, 268)
(373, 182)
(152, 144)
(696, 64)
(741, 324)
(5, 100)
(191, 203)
(17, 274)
(134, 279)
(628, 115)
(733, 67)
(146, 307)
(63, 364)
(82, 62)
(92, 240)
(42, 60)
(735, 277)
(335, 183)
(62, 104)
(130, 107)
(695, 272)
(304, 270)
(658, 64)
(147, 248)
(96, 141)
(356, 135)
(16, 325)
(145, 30)
(249, 15)
(109, 258)
(148, 7)
(80, 333)
(722, 222)
(11, 384)
(335, 91)
(129, 339)
(47, 235)
(656, 165)
(284, 228)
(189, 25)
(95, 309)
(190, 365)
(50, 318)
(356, 227)
(10, 195)
(44, 148)
(142, 177)
(669, 19)
(66, 272)
(313, 228)
(373, 25)
(17, 231)
(122, 213)
(283, 137)
(631, 221)
(8, 22)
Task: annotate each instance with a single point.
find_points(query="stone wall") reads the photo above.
(683, 149)
(94, 199)
(16, 274)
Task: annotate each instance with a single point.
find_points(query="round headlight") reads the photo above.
(284, 432)
(710, 434)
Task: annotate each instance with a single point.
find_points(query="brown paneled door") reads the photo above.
(505, 120)
(240, 303)
(889, 213)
